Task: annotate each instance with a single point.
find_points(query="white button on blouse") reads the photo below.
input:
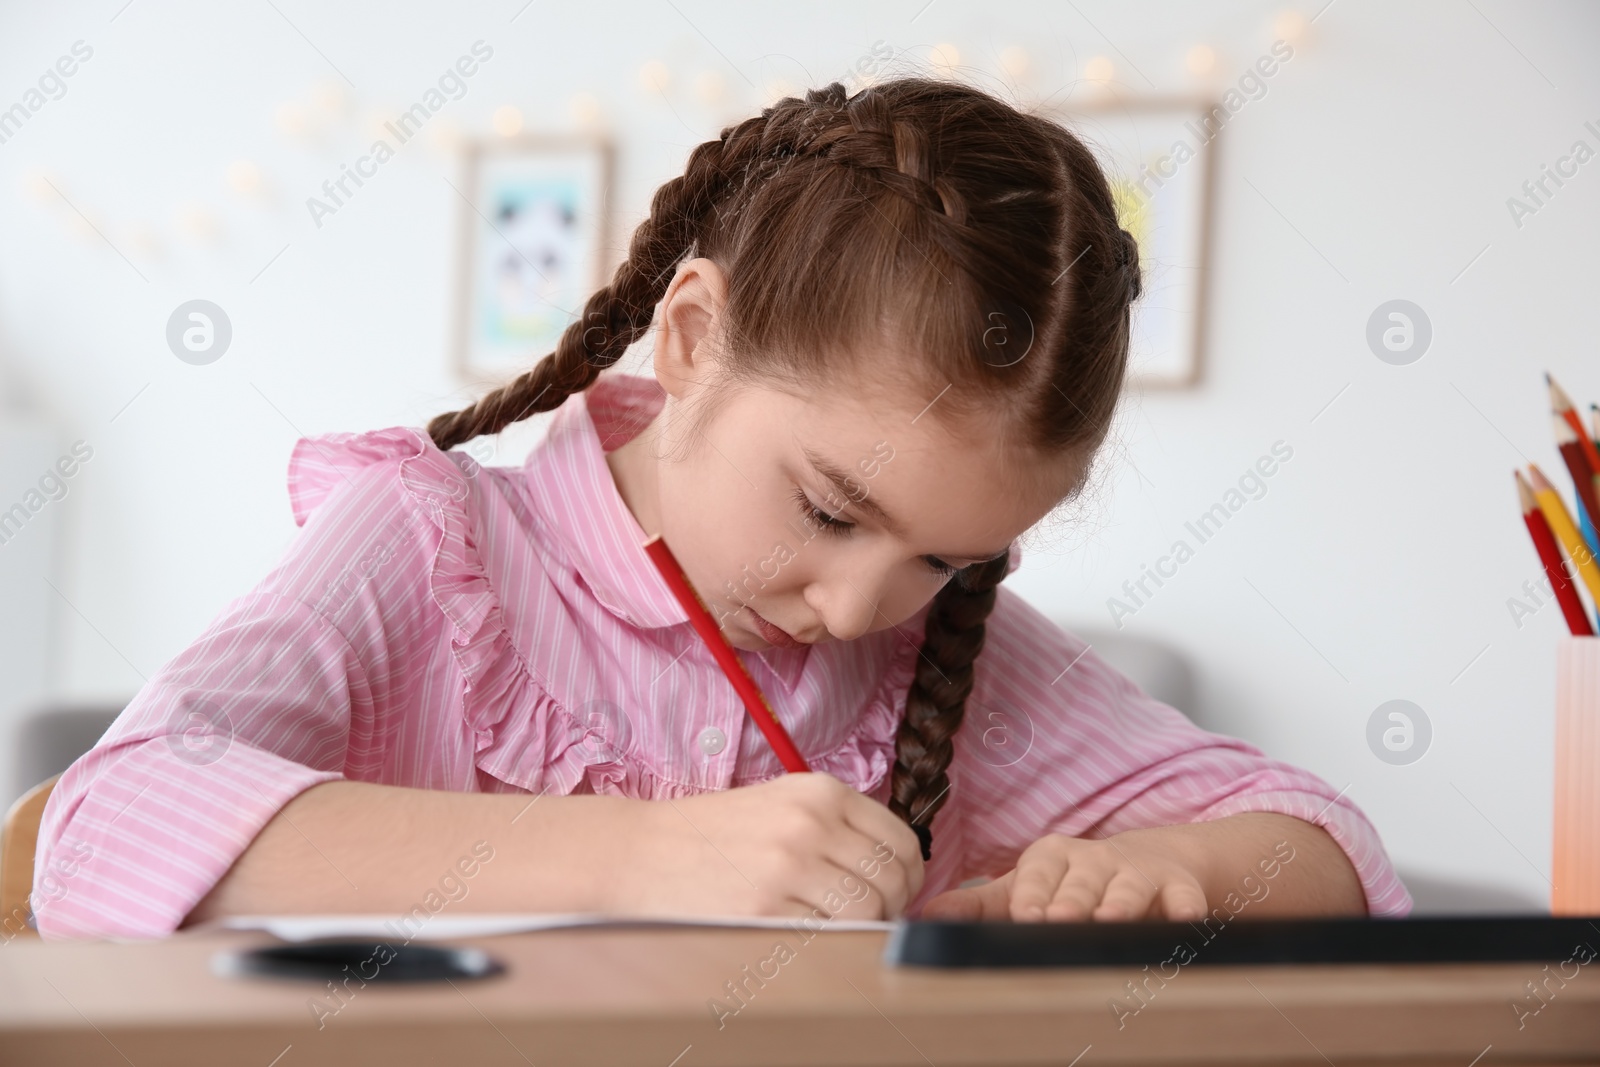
(712, 740)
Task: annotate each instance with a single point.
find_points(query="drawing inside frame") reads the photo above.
(1159, 155)
(532, 233)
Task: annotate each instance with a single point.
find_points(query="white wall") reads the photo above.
(1381, 159)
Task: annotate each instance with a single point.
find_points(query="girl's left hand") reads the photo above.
(1137, 874)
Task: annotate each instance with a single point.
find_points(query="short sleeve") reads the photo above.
(1057, 741)
(287, 688)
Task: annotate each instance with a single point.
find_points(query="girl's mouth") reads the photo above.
(771, 634)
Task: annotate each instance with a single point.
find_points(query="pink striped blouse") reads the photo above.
(443, 625)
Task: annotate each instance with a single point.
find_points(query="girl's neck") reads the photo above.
(633, 469)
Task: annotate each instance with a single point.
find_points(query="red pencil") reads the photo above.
(756, 704)
(1561, 405)
(1554, 566)
(1584, 477)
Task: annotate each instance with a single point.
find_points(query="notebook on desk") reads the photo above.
(1452, 939)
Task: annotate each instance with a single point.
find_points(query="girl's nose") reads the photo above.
(848, 603)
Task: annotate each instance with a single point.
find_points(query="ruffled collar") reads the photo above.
(604, 542)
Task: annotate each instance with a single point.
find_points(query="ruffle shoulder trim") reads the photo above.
(521, 734)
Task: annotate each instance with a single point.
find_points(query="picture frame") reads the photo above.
(532, 247)
(1164, 198)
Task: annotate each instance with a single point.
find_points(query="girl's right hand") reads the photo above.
(787, 846)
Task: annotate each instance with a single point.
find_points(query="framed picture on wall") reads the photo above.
(533, 223)
(1160, 154)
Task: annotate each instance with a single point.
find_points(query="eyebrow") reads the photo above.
(841, 483)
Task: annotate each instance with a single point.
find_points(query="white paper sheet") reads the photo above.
(453, 927)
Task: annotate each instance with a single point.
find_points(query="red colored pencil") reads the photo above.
(1561, 405)
(1583, 475)
(1544, 541)
(754, 703)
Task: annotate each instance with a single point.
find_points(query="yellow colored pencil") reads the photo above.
(1555, 513)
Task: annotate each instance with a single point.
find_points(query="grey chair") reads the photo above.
(1160, 670)
(50, 739)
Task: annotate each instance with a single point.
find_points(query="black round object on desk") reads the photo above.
(365, 960)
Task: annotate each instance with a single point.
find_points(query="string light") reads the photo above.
(244, 177)
(655, 76)
(1291, 26)
(1201, 60)
(507, 120)
(709, 86)
(1099, 70)
(584, 108)
(290, 119)
(1014, 61)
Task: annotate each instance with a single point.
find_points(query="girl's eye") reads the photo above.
(820, 517)
(839, 527)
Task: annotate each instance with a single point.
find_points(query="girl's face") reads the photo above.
(817, 517)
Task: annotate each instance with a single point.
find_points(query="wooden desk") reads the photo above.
(631, 997)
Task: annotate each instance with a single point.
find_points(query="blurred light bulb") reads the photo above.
(709, 86)
(654, 77)
(144, 241)
(584, 108)
(1099, 70)
(198, 223)
(443, 136)
(1291, 26)
(38, 185)
(244, 177)
(81, 227)
(290, 119)
(330, 97)
(1014, 61)
(1201, 60)
(507, 120)
(945, 57)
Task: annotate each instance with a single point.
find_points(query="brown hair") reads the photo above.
(923, 214)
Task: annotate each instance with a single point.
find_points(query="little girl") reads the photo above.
(890, 333)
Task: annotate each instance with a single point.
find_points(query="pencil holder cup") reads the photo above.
(1575, 873)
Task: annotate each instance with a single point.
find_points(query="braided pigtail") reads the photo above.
(937, 700)
(617, 315)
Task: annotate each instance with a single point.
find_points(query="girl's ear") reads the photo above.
(686, 333)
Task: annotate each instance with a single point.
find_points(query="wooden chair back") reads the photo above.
(18, 839)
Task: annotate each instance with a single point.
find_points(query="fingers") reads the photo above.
(1183, 901)
(869, 865)
(980, 903)
(877, 822)
(1127, 896)
(1060, 879)
(1040, 873)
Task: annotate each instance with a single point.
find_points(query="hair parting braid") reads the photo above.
(937, 700)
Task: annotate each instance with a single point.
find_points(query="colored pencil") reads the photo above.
(1583, 477)
(732, 666)
(1586, 528)
(1555, 512)
(1561, 404)
(1544, 542)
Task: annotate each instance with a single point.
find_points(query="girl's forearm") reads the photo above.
(1278, 864)
(359, 847)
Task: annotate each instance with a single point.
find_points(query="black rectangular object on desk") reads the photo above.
(1444, 939)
